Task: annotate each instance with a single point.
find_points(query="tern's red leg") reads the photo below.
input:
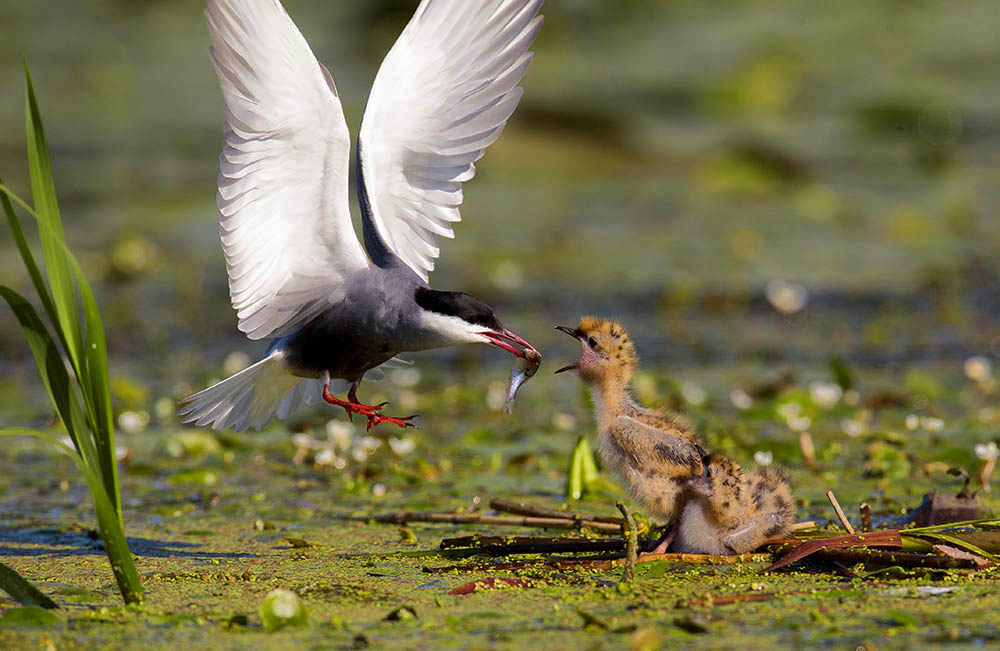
(351, 406)
(371, 412)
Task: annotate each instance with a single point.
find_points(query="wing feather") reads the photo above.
(442, 95)
(284, 218)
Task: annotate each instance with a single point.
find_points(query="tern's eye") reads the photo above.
(592, 342)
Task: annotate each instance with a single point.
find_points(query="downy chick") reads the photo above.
(729, 511)
(652, 454)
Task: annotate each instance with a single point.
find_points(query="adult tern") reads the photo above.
(297, 273)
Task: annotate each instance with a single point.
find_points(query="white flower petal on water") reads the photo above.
(402, 447)
(133, 421)
(340, 432)
(789, 410)
(799, 423)
(740, 399)
(852, 428)
(912, 422)
(693, 394)
(825, 394)
(987, 451)
(978, 368)
(786, 297)
(370, 443)
(932, 424)
(763, 457)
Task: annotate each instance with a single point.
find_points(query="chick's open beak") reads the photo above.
(572, 332)
(505, 339)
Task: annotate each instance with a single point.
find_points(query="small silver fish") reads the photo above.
(523, 370)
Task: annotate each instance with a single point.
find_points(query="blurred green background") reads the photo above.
(741, 183)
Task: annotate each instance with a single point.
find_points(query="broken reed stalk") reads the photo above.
(840, 512)
(986, 473)
(520, 508)
(890, 558)
(866, 517)
(508, 546)
(808, 448)
(805, 524)
(402, 517)
(631, 550)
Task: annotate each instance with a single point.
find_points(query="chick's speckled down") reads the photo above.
(729, 511)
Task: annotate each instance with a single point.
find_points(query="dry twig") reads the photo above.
(840, 512)
(633, 543)
(866, 516)
(402, 517)
(520, 508)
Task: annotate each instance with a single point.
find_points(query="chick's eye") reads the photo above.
(592, 342)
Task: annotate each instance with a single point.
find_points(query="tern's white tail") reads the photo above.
(252, 397)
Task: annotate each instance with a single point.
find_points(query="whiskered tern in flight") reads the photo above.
(297, 273)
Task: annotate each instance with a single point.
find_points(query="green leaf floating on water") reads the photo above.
(281, 608)
(299, 543)
(28, 616)
(16, 586)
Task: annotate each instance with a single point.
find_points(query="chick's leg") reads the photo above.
(661, 545)
(371, 412)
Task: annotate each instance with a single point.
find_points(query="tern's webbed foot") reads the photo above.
(378, 419)
(371, 412)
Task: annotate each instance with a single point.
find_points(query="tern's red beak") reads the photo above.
(505, 339)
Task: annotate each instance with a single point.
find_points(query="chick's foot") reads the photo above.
(661, 545)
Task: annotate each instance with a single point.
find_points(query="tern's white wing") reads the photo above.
(443, 94)
(284, 216)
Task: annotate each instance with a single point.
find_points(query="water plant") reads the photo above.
(84, 407)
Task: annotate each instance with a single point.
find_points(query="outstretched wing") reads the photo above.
(443, 94)
(284, 216)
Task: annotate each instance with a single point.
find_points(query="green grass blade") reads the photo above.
(108, 523)
(98, 384)
(588, 465)
(956, 541)
(953, 526)
(51, 233)
(23, 592)
(574, 477)
(22, 246)
(53, 371)
(86, 347)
